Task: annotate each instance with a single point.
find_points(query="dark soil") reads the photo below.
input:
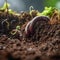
(44, 44)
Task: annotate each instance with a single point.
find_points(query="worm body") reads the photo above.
(29, 29)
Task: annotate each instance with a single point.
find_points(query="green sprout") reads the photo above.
(16, 30)
(5, 8)
(6, 5)
(13, 32)
(48, 11)
(18, 27)
(31, 9)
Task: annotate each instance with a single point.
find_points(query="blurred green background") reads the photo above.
(23, 5)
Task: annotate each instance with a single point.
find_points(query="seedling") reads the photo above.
(6, 6)
(33, 12)
(6, 9)
(15, 30)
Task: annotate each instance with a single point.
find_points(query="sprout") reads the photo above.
(34, 12)
(31, 8)
(48, 11)
(18, 27)
(5, 6)
(14, 31)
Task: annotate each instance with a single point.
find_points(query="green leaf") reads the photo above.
(17, 27)
(47, 11)
(11, 11)
(4, 7)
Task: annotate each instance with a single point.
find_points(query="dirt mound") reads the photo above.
(43, 42)
(32, 48)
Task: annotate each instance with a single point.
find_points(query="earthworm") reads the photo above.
(30, 26)
(27, 31)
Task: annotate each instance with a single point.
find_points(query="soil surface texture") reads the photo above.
(39, 40)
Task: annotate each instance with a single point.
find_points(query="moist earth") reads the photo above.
(43, 44)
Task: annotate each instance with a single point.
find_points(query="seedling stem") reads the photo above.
(6, 7)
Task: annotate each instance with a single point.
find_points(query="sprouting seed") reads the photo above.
(6, 5)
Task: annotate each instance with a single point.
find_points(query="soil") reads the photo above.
(43, 44)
